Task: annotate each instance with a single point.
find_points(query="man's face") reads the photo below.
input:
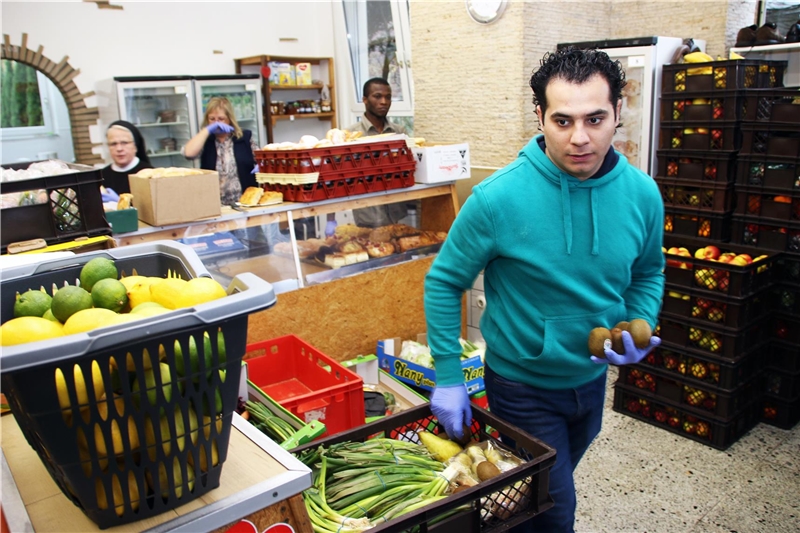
(378, 99)
(579, 124)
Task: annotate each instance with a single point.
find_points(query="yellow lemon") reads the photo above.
(121, 319)
(116, 491)
(130, 281)
(88, 319)
(117, 441)
(200, 290)
(177, 476)
(150, 311)
(140, 291)
(147, 305)
(80, 385)
(167, 292)
(167, 439)
(28, 329)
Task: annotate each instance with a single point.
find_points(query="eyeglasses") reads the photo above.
(121, 144)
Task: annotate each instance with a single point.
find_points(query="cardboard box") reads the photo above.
(420, 376)
(176, 199)
(445, 162)
(303, 73)
(378, 380)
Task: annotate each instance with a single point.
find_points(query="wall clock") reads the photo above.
(485, 11)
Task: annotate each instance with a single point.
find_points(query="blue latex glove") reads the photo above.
(219, 127)
(255, 169)
(330, 228)
(109, 195)
(451, 406)
(632, 353)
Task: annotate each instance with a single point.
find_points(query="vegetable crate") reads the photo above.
(71, 207)
(774, 172)
(727, 344)
(289, 431)
(307, 382)
(786, 328)
(789, 268)
(708, 136)
(713, 431)
(774, 204)
(780, 413)
(717, 77)
(784, 356)
(786, 299)
(494, 505)
(347, 183)
(706, 370)
(134, 443)
(696, 195)
(715, 277)
(722, 105)
(716, 309)
(766, 233)
(717, 167)
(772, 139)
(701, 399)
(772, 105)
(782, 385)
(694, 224)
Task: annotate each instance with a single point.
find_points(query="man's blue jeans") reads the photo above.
(567, 420)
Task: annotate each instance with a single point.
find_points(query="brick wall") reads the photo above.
(471, 81)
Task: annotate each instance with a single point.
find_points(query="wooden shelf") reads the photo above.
(317, 86)
(321, 116)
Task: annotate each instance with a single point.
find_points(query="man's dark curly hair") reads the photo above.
(576, 66)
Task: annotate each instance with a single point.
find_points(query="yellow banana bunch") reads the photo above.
(697, 57)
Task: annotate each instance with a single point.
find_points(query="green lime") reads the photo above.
(68, 301)
(32, 303)
(49, 315)
(95, 270)
(110, 293)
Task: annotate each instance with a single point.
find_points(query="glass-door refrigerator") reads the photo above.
(642, 59)
(244, 93)
(163, 109)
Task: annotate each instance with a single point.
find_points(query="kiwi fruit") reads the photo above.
(616, 341)
(597, 339)
(623, 325)
(487, 470)
(641, 332)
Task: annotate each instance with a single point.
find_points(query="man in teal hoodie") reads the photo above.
(569, 238)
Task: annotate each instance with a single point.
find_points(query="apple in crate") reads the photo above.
(741, 260)
(709, 253)
(727, 257)
(678, 251)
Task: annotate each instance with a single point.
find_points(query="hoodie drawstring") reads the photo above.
(566, 213)
(595, 229)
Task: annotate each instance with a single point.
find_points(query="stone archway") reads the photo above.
(62, 75)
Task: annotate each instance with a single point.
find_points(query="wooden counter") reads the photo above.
(259, 478)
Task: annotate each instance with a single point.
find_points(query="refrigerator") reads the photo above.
(642, 59)
(168, 110)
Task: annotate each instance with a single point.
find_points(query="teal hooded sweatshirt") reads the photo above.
(560, 257)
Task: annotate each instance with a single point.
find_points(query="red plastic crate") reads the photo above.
(772, 139)
(696, 195)
(348, 183)
(726, 344)
(719, 76)
(706, 306)
(712, 431)
(784, 356)
(694, 224)
(706, 369)
(718, 167)
(772, 105)
(780, 413)
(723, 105)
(707, 136)
(766, 233)
(776, 204)
(775, 172)
(334, 159)
(307, 382)
(702, 399)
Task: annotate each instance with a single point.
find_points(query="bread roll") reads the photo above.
(251, 196)
(271, 197)
(125, 201)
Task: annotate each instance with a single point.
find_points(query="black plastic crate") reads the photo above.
(765, 233)
(700, 399)
(71, 207)
(789, 268)
(697, 224)
(785, 298)
(781, 385)
(719, 167)
(772, 105)
(727, 344)
(775, 172)
(723, 105)
(717, 276)
(706, 136)
(771, 139)
(706, 369)
(756, 201)
(696, 195)
(531, 478)
(712, 431)
(60, 390)
(779, 413)
(785, 328)
(718, 76)
(784, 356)
(706, 306)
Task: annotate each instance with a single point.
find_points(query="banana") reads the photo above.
(697, 57)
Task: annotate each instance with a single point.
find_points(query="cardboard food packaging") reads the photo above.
(176, 198)
(444, 162)
(303, 73)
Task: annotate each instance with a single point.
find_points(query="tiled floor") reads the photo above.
(639, 478)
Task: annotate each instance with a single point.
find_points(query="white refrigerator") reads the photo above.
(642, 59)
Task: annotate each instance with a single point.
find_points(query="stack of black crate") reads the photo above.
(767, 216)
(704, 381)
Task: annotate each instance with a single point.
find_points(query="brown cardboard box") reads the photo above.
(176, 199)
